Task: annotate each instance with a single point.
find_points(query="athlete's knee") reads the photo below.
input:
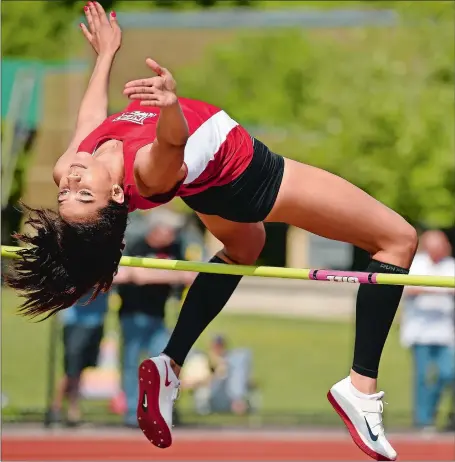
(401, 243)
(247, 248)
(405, 239)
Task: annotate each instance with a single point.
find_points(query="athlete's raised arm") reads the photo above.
(158, 168)
(105, 36)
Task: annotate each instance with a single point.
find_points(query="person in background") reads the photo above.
(83, 326)
(427, 327)
(144, 293)
(220, 380)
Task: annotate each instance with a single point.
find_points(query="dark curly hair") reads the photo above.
(64, 261)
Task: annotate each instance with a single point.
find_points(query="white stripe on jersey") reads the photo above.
(205, 142)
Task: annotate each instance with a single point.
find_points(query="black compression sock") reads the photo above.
(375, 309)
(206, 297)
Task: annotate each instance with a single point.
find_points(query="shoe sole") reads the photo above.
(353, 431)
(150, 420)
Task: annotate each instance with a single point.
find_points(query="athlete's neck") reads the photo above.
(110, 154)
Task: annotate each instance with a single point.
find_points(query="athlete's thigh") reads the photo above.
(243, 242)
(327, 205)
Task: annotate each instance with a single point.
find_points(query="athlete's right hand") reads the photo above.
(157, 91)
(103, 34)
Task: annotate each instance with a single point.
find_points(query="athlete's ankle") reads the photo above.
(174, 366)
(363, 384)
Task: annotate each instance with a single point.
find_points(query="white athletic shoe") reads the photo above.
(363, 419)
(158, 389)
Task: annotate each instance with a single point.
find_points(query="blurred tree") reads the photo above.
(107, 4)
(206, 3)
(243, 3)
(166, 3)
(45, 30)
(372, 105)
(38, 29)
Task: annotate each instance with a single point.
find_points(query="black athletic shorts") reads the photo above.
(251, 196)
(81, 348)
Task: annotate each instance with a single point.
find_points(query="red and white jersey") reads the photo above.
(217, 152)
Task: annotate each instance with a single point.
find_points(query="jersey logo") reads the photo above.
(137, 117)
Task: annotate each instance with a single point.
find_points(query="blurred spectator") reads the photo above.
(428, 327)
(144, 293)
(220, 380)
(82, 334)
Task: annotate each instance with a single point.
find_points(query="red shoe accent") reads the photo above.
(149, 416)
(353, 432)
(167, 382)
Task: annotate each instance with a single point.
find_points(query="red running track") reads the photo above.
(244, 447)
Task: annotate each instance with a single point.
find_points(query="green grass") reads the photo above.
(24, 356)
(295, 361)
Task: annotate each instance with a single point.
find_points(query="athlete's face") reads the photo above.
(85, 188)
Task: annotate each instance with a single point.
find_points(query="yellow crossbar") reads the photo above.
(276, 272)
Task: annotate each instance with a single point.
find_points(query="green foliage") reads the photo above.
(410, 10)
(45, 30)
(37, 29)
(372, 105)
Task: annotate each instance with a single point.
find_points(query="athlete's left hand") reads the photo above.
(103, 33)
(159, 91)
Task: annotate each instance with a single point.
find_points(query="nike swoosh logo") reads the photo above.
(372, 435)
(144, 402)
(167, 382)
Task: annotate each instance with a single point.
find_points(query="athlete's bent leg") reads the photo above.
(209, 293)
(327, 205)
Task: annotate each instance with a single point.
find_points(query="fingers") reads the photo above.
(137, 83)
(113, 20)
(145, 96)
(101, 13)
(89, 16)
(156, 68)
(147, 93)
(95, 16)
(150, 103)
(86, 32)
(144, 82)
(139, 90)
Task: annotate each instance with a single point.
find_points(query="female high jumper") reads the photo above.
(163, 146)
